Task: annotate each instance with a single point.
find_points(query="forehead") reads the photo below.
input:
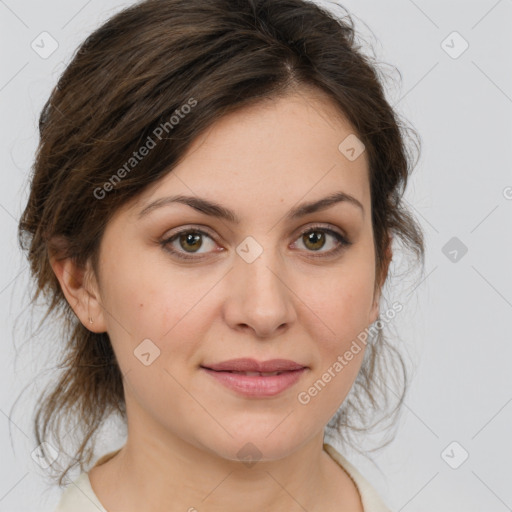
(281, 150)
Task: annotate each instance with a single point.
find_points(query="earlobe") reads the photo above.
(81, 293)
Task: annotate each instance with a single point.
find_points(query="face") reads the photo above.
(183, 289)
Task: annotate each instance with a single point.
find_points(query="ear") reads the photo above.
(388, 255)
(81, 291)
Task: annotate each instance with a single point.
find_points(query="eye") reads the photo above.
(187, 242)
(316, 238)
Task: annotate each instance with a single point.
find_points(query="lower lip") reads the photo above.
(257, 385)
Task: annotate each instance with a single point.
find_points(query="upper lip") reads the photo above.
(251, 365)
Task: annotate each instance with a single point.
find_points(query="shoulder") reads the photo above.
(369, 497)
(78, 496)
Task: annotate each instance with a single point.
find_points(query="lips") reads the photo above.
(247, 366)
(254, 379)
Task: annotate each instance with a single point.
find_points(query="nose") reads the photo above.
(259, 298)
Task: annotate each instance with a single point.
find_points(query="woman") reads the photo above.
(214, 200)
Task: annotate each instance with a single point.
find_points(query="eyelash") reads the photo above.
(342, 241)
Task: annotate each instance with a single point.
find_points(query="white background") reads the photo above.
(456, 324)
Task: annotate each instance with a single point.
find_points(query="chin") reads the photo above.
(255, 445)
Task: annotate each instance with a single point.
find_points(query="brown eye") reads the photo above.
(314, 240)
(186, 244)
(317, 238)
(190, 241)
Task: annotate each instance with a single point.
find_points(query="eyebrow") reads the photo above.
(216, 210)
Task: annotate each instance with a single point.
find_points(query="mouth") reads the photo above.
(251, 378)
(248, 365)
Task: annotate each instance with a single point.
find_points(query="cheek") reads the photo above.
(344, 319)
(151, 300)
(340, 302)
(339, 307)
(337, 331)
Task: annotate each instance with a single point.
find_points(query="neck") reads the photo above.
(184, 477)
(157, 470)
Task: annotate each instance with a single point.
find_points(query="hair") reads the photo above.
(130, 81)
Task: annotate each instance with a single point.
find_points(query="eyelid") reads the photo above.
(324, 226)
(300, 231)
(199, 228)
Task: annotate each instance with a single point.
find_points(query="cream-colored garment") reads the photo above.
(79, 496)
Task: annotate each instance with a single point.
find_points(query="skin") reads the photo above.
(184, 428)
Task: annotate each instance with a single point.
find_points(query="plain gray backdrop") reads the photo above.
(453, 447)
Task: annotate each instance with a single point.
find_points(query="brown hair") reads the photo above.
(125, 82)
